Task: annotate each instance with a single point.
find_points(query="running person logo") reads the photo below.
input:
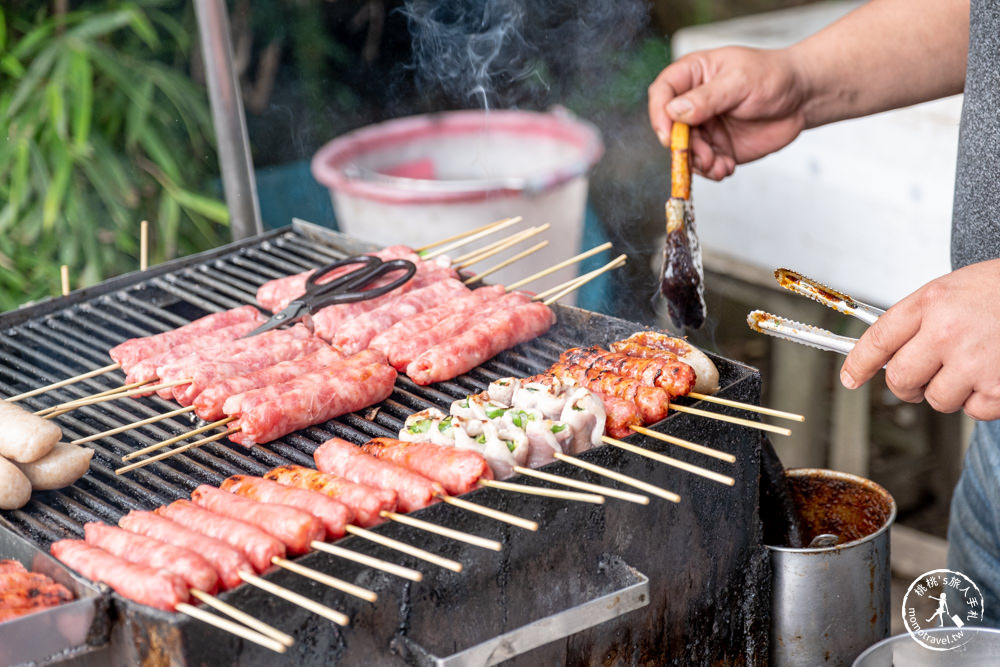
(942, 599)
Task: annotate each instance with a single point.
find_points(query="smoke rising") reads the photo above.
(508, 53)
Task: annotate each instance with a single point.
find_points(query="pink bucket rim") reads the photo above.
(329, 162)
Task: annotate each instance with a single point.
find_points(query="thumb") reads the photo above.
(711, 99)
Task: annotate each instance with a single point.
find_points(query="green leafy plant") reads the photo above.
(101, 129)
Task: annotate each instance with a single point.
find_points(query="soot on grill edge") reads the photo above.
(709, 578)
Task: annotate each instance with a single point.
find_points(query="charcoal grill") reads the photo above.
(580, 580)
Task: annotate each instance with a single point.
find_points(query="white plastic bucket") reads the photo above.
(419, 179)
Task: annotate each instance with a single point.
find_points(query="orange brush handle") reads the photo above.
(680, 161)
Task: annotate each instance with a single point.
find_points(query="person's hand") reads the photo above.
(741, 103)
(941, 344)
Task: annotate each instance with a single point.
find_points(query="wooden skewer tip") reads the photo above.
(781, 414)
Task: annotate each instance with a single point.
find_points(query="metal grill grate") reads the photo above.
(50, 341)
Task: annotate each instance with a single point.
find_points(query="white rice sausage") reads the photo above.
(61, 467)
(23, 436)
(15, 489)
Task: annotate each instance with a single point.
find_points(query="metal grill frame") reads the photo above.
(715, 577)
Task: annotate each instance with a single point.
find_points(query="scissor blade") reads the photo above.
(292, 312)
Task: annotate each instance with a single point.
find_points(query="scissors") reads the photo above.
(347, 288)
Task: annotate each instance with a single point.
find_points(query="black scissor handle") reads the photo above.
(312, 287)
(348, 288)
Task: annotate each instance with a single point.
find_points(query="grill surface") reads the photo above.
(709, 580)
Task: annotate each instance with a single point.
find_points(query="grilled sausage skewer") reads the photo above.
(340, 457)
(144, 584)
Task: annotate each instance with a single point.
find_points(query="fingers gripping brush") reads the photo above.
(681, 275)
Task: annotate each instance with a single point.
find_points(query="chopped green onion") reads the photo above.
(510, 445)
(445, 424)
(481, 438)
(558, 428)
(495, 412)
(421, 426)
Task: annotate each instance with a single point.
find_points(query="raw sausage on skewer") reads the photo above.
(156, 588)
(134, 350)
(345, 459)
(227, 561)
(311, 399)
(209, 403)
(293, 527)
(355, 335)
(392, 340)
(457, 470)
(495, 332)
(256, 546)
(135, 548)
(334, 515)
(365, 501)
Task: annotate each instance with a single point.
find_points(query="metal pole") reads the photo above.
(231, 135)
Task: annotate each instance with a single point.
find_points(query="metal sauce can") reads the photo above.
(831, 600)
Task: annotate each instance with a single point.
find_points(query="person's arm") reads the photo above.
(745, 103)
(884, 55)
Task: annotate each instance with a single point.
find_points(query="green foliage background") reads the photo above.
(102, 128)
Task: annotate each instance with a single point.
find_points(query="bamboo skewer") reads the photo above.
(531, 231)
(585, 486)
(176, 450)
(542, 491)
(495, 223)
(791, 416)
(64, 279)
(143, 245)
(561, 265)
(67, 406)
(507, 262)
(175, 439)
(370, 561)
(780, 430)
(458, 535)
(132, 425)
(498, 515)
(293, 597)
(243, 617)
(571, 284)
(503, 224)
(619, 477)
(673, 440)
(326, 579)
(584, 279)
(113, 395)
(662, 458)
(496, 247)
(405, 548)
(67, 381)
(524, 233)
(229, 626)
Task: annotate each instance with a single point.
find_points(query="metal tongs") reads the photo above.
(347, 288)
(806, 334)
